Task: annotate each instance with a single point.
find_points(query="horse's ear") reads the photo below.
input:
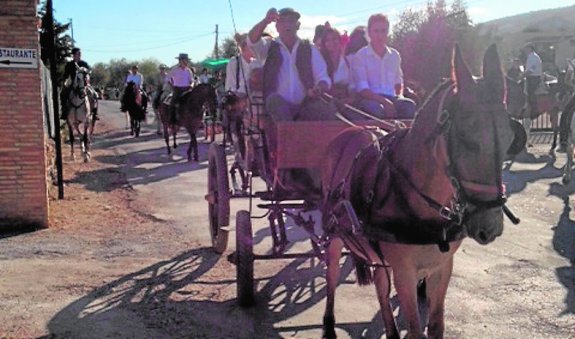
(460, 73)
(493, 73)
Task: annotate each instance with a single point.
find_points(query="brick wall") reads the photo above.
(23, 188)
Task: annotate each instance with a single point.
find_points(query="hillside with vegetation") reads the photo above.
(552, 31)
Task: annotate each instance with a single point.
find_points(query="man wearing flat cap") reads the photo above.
(295, 73)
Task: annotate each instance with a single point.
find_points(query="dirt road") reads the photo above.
(128, 256)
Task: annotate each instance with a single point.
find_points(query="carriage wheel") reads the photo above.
(244, 259)
(218, 197)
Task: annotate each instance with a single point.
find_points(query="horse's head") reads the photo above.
(206, 96)
(80, 82)
(479, 137)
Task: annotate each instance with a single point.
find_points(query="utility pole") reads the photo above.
(216, 49)
(72, 31)
(55, 103)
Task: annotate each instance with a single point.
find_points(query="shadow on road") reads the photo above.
(165, 299)
(516, 181)
(170, 299)
(564, 244)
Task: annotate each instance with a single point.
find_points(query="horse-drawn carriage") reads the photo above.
(439, 176)
(300, 145)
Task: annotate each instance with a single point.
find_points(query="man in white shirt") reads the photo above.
(293, 71)
(533, 73)
(138, 79)
(160, 94)
(181, 79)
(204, 77)
(294, 77)
(135, 76)
(238, 68)
(378, 74)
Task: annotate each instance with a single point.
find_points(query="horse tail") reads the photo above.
(363, 271)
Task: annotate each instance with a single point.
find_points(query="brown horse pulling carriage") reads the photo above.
(399, 200)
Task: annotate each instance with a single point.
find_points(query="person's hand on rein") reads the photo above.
(317, 90)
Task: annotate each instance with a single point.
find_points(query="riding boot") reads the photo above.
(563, 131)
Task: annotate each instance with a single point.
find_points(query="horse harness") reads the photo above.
(454, 214)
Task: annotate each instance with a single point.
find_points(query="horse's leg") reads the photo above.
(436, 290)
(71, 136)
(167, 138)
(193, 147)
(174, 129)
(158, 122)
(132, 125)
(86, 141)
(333, 256)
(527, 126)
(405, 282)
(569, 163)
(383, 288)
(554, 118)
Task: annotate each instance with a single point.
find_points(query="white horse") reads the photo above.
(79, 113)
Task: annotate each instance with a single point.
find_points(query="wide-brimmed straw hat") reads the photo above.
(183, 56)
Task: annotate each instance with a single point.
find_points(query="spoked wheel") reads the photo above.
(244, 259)
(218, 197)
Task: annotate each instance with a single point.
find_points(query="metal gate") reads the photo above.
(542, 123)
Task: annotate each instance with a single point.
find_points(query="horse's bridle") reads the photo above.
(463, 199)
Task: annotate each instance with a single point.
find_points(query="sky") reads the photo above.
(143, 29)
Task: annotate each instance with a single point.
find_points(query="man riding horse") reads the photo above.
(70, 71)
(181, 79)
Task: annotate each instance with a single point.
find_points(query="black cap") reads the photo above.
(288, 11)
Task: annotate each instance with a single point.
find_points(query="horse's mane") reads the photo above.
(199, 94)
(443, 84)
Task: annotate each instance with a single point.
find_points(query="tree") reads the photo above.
(229, 48)
(425, 39)
(118, 70)
(100, 77)
(63, 42)
(149, 69)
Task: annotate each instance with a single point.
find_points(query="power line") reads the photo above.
(149, 48)
(154, 42)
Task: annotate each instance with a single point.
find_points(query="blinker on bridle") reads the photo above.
(462, 199)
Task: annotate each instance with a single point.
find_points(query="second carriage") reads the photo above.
(296, 145)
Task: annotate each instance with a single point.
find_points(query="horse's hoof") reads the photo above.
(329, 328)
(566, 181)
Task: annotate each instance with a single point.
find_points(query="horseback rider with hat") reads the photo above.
(138, 79)
(181, 78)
(70, 71)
